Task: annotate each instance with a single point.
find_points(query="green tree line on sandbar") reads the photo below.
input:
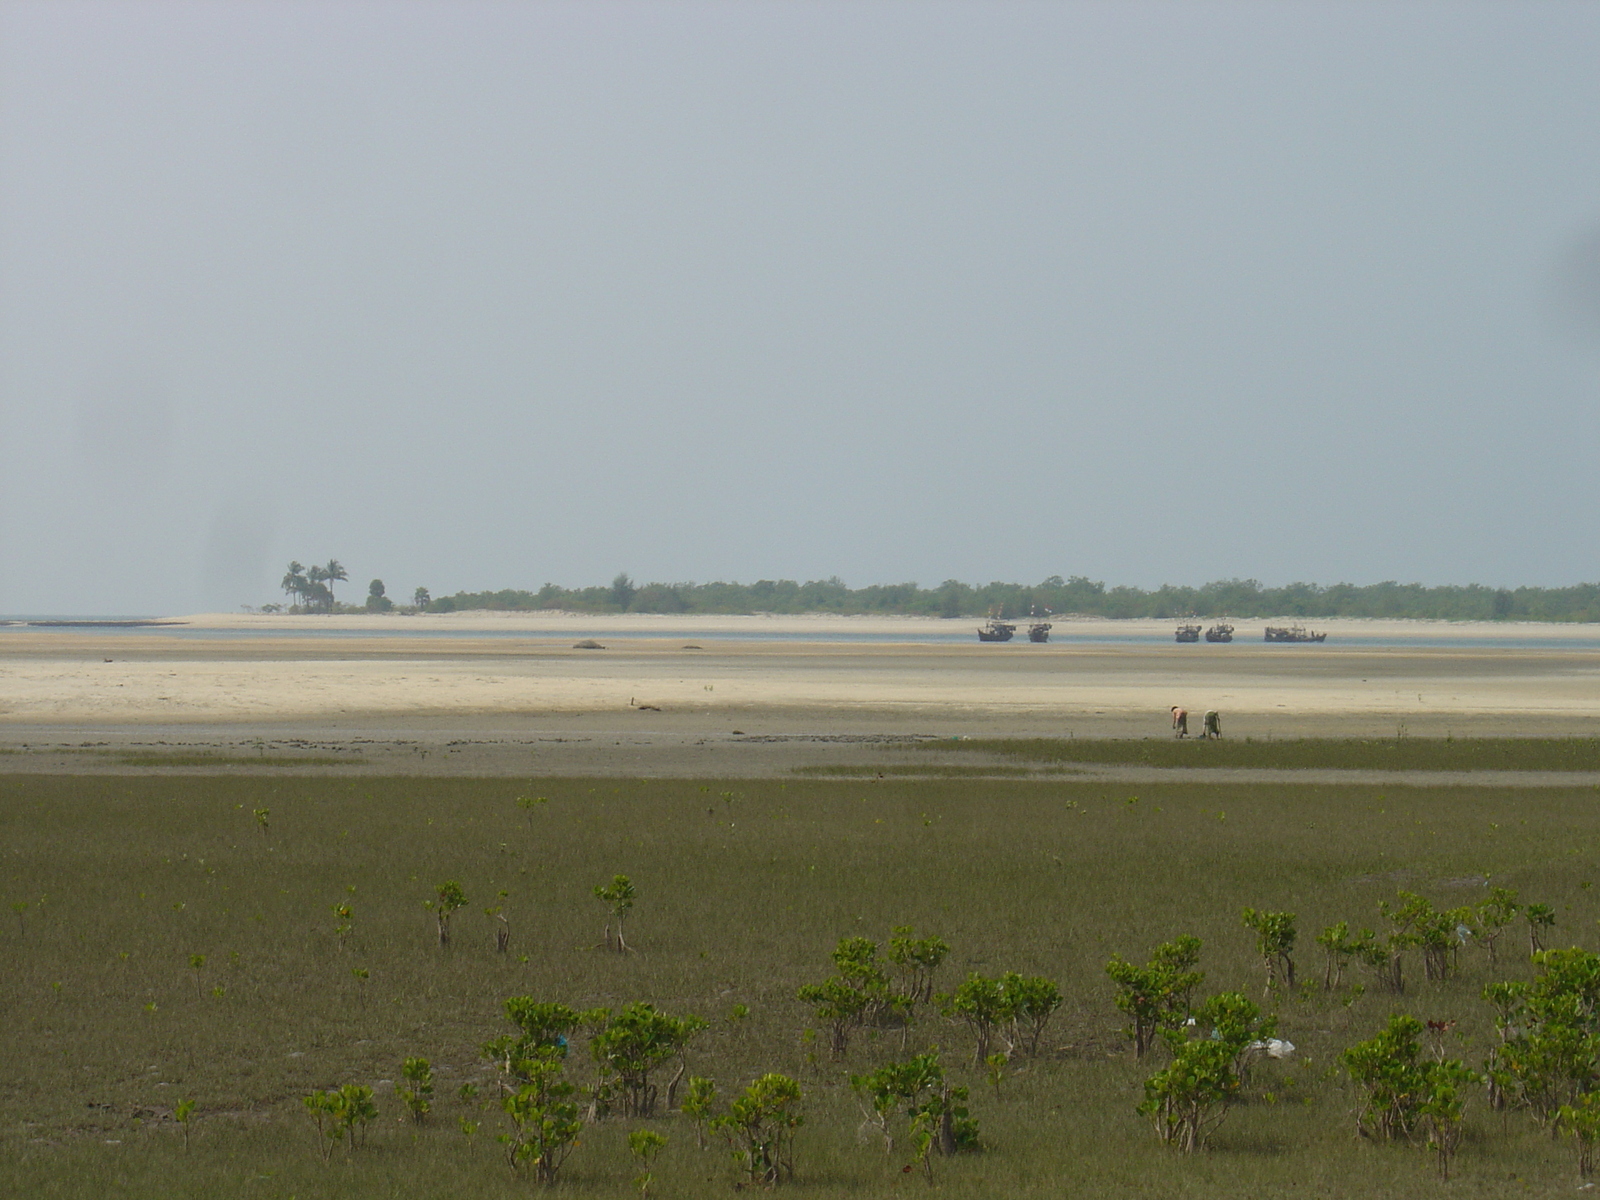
(1077, 595)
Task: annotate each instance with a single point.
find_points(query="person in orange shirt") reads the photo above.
(1180, 720)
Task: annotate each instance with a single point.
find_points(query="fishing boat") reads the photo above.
(1187, 633)
(1220, 632)
(996, 630)
(1039, 630)
(1293, 633)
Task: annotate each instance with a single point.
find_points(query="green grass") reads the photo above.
(179, 758)
(1388, 754)
(126, 877)
(934, 771)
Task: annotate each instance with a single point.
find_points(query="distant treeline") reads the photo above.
(1077, 595)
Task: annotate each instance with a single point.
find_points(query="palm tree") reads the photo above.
(318, 594)
(294, 583)
(333, 572)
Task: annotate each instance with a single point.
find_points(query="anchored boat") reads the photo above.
(996, 631)
(1220, 632)
(1187, 633)
(1039, 631)
(1293, 633)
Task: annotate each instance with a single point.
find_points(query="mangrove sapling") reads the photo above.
(1439, 933)
(997, 1070)
(416, 1090)
(1540, 917)
(1549, 1052)
(197, 964)
(1404, 1089)
(941, 1123)
(1581, 1119)
(541, 1027)
(1156, 996)
(502, 931)
(1275, 937)
(320, 1105)
(450, 897)
(344, 917)
(645, 1144)
(544, 1118)
(619, 894)
(1493, 915)
(261, 815)
(918, 959)
(20, 907)
(1339, 948)
(1442, 1107)
(700, 1105)
(1233, 1020)
(983, 1005)
(760, 1127)
(528, 803)
(1031, 1000)
(353, 1110)
(858, 993)
(895, 1087)
(632, 1044)
(183, 1114)
(1384, 958)
(1189, 1097)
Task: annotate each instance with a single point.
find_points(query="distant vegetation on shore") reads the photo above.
(309, 590)
(1077, 595)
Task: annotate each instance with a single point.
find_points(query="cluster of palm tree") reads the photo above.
(311, 588)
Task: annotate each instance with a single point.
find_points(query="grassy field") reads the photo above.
(744, 888)
(1365, 754)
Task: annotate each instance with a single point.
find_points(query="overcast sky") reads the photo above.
(478, 295)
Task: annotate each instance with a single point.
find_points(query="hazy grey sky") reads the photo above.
(479, 295)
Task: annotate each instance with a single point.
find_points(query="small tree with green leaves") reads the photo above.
(320, 1105)
(620, 895)
(1549, 1026)
(197, 963)
(1156, 996)
(1275, 938)
(545, 1122)
(860, 992)
(416, 1088)
(645, 1145)
(449, 898)
(183, 1114)
(541, 1026)
(1385, 1068)
(1493, 915)
(354, 1112)
(633, 1043)
(1581, 1119)
(529, 804)
(760, 1126)
(1540, 918)
(1189, 1098)
(1443, 1105)
(1031, 1001)
(896, 1088)
(502, 929)
(342, 1115)
(261, 815)
(1339, 948)
(983, 1006)
(918, 960)
(699, 1105)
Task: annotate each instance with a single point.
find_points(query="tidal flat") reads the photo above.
(165, 942)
